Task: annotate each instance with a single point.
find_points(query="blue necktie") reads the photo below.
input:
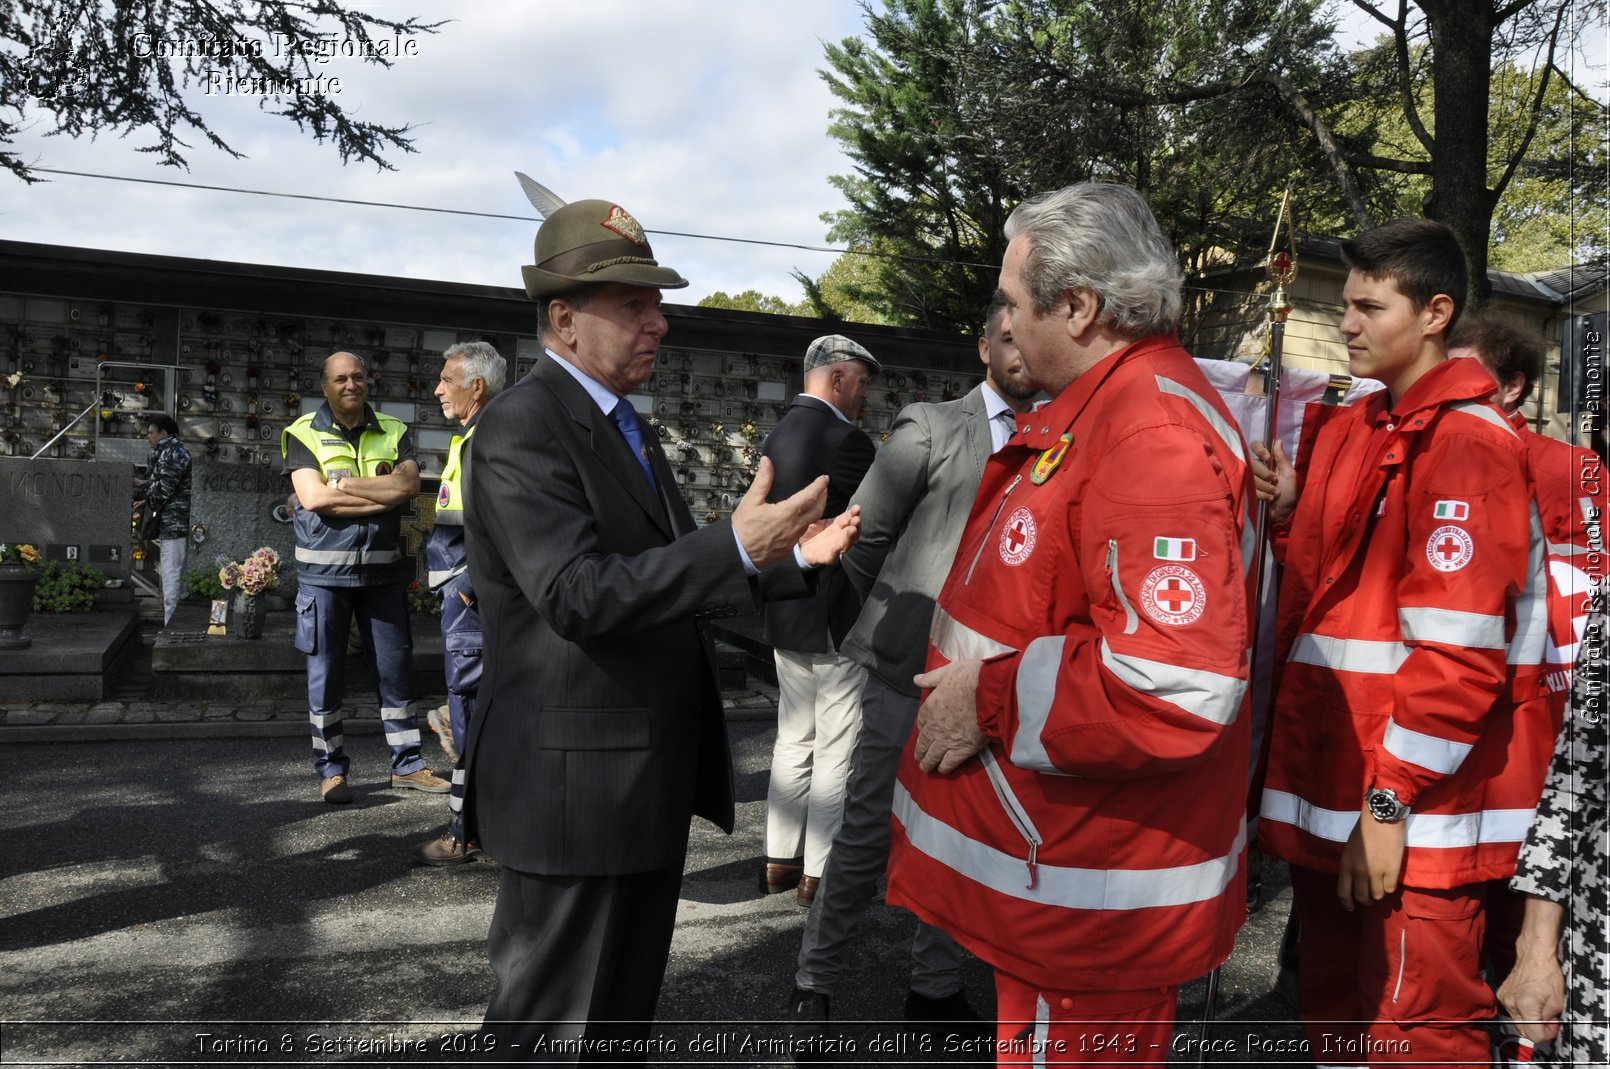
(625, 417)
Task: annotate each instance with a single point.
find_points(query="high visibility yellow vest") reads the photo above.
(348, 550)
(444, 551)
(450, 498)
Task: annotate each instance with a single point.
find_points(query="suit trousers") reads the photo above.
(578, 959)
(861, 853)
(818, 719)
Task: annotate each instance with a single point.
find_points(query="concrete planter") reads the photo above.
(249, 610)
(17, 584)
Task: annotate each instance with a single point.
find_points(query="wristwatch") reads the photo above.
(1383, 804)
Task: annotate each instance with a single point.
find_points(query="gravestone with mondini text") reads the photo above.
(72, 510)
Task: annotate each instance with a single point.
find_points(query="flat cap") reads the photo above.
(835, 349)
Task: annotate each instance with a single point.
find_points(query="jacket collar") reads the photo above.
(570, 387)
(811, 401)
(1044, 426)
(1449, 382)
(324, 419)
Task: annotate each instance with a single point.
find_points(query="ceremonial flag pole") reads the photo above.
(1281, 267)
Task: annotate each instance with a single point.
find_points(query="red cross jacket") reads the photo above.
(1568, 482)
(1096, 842)
(1412, 625)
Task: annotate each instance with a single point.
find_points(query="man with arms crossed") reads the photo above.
(353, 470)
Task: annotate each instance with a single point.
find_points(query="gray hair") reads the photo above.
(1102, 238)
(481, 361)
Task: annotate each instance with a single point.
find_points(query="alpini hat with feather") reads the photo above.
(591, 241)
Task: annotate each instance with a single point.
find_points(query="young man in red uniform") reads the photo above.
(1410, 737)
(1056, 811)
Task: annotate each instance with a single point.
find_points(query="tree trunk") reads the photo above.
(1461, 37)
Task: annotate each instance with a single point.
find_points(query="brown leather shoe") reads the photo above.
(775, 879)
(807, 890)
(423, 780)
(334, 789)
(449, 849)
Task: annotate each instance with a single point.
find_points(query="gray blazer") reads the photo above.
(914, 503)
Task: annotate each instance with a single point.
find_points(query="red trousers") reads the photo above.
(1397, 982)
(1039, 1027)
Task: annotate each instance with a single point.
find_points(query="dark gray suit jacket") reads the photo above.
(914, 504)
(598, 727)
(808, 442)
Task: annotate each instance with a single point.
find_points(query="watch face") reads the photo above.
(1385, 807)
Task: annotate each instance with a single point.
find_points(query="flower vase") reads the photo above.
(16, 602)
(248, 616)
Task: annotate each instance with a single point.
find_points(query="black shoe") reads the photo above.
(953, 1007)
(949, 1022)
(806, 1007)
(808, 1017)
(1254, 894)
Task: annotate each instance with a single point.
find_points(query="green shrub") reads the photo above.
(422, 600)
(67, 589)
(202, 580)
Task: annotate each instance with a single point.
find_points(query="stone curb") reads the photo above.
(114, 721)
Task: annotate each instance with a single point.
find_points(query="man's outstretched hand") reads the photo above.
(769, 530)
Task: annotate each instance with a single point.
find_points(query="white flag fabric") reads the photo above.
(1299, 387)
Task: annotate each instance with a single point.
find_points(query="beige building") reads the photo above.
(1235, 325)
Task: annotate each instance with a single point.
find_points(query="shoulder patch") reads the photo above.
(1449, 548)
(1173, 594)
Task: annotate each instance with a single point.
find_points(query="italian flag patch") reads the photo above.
(1451, 510)
(1174, 548)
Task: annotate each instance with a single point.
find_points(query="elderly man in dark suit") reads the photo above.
(601, 730)
(914, 502)
(818, 689)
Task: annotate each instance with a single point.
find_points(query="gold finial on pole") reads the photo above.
(1281, 267)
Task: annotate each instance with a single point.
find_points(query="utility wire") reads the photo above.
(534, 219)
(496, 215)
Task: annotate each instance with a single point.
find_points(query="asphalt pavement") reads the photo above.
(190, 900)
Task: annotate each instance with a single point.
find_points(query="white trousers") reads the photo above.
(173, 552)
(818, 721)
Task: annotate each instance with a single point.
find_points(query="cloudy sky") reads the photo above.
(703, 116)
(699, 116)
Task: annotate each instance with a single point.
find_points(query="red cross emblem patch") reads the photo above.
(1017, 537)
(1449, 548)
(1172, 594)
